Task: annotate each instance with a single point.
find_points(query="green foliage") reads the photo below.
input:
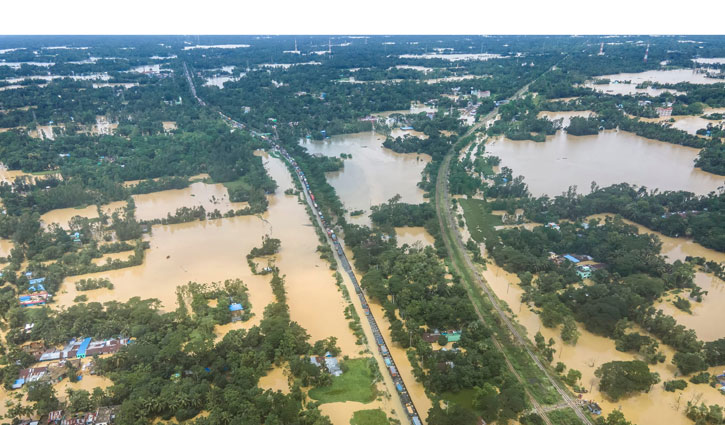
(619, 379)
(356, 384)
(674, 385)
(93, 283)
(369, 417)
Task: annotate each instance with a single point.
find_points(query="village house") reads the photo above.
(451, 335)
(80, 348)
(237, 311)
(101, 416)
(329, 362)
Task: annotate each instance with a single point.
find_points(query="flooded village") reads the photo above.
(220, 234)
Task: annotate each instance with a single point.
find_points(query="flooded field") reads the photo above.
(453, 57)
(276, 379)
(625, 83)
(591, 351)
(607, 158)
(176, 257)
(565, 116)
(414, 236)
(690, 123)
(62, 216)
(707, 314)
(5, 247)
(374, 174)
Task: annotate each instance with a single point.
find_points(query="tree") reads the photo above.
(620, 379)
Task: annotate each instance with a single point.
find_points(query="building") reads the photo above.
(571, 258)
(80, 348)
(237, 310)
(31, 374)
(664, 112)
(33, 299)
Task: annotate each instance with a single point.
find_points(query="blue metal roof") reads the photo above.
(82, 349)
(236, 307)
(570, 258)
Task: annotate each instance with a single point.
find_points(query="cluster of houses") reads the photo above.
(329, 362)
(36, 294)
(451, 335)
(82, 347)
(70, 355)
(583, 270)
(100, 416)
(52, 373)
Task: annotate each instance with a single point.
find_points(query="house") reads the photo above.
(34, 348)
(32, 374)
(55, 417)
(664, 112)
(333, 366)
(553, 226)
(80, 348)
(584, 272)
(571, 258)
(37, 281)
(237, 310)
(33, 299)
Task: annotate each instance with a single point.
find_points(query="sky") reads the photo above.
(361, 17)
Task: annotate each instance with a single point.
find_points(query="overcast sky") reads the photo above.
(362, 17)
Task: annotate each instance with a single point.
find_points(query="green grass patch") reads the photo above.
(236, 184)
(45, 173)
(479, 219)
(564, 417)
(355, 384)
(369, 417)
(463, 398)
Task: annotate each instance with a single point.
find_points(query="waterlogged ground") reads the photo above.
(157, 204)
(374, 174)
(215, 250)
(591, 351)
(414, 236)
(551, 167)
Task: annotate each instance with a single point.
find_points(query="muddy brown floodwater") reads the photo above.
(591, 351)
(215, 250)
(374, 174)
(154, 205)
(413, 235)
(617, 83)
(707, 315)
(608, 158)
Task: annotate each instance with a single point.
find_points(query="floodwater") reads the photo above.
(216, 46)
(709, 60)
(276, 379)
(690, 123)
(657, 406)
(591, 351)
(707, 314)
(412, 235)
(169, 126)
(565, 116)
(62, 216)
(159, 204)
(5, 247)
(609, 157)
(453, 57)
(617, 85)
(219, 80)
(374, 174)
(214, 250)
